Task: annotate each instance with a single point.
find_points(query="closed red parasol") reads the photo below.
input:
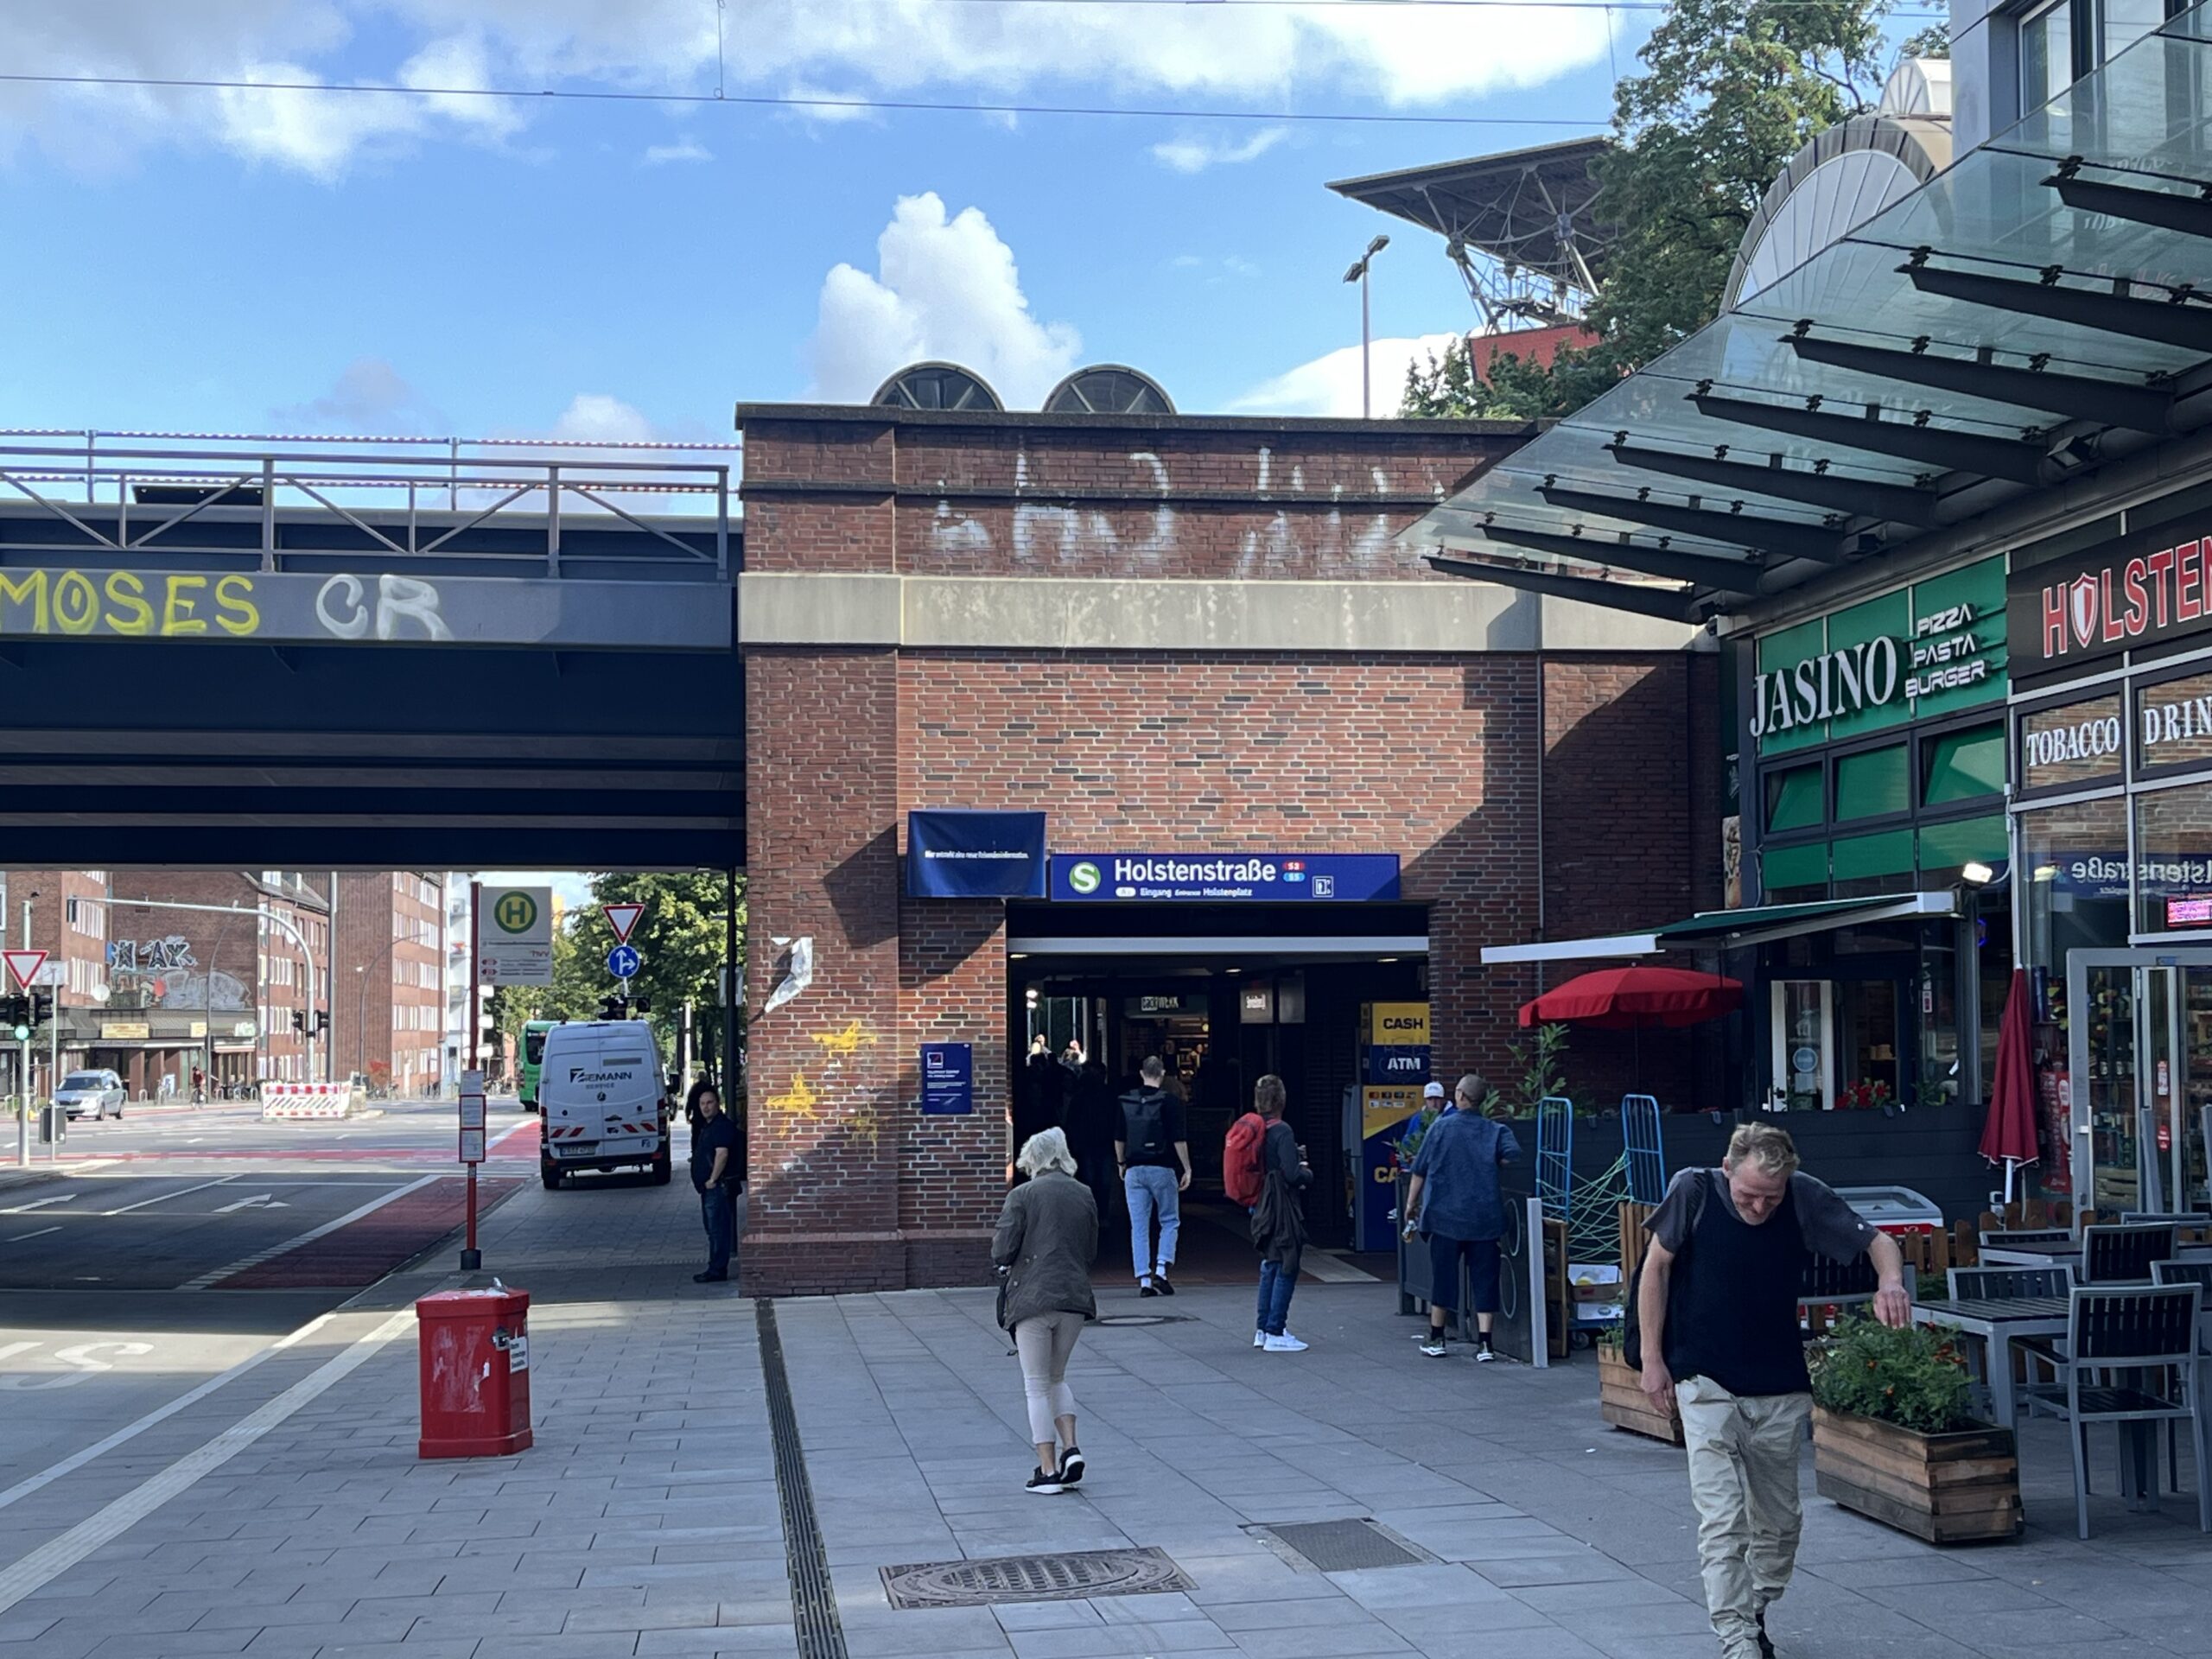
(1620, 998)
(2009, 1136)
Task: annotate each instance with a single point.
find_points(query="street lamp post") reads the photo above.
(1358, 274)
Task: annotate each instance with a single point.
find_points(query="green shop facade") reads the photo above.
(1872, 804)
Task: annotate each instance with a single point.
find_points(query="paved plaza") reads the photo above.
(647, 1519)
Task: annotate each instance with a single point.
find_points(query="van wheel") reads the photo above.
(551, 1176)
(664, 1170)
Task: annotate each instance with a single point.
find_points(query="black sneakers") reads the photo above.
(1766, 1646)
(1071, 1466)
(1146, 1287)
(1043, 1485)
(1166, 1286)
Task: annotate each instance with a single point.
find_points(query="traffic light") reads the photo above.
(322, 1022)
(16, 1015)
(613, 1008)
(300, 1022)
(42, 1007)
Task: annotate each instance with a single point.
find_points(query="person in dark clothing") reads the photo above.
(1039, 1098)
(1152, 1145)
(1090, 1119)
(1717, 1320)
(1454, 1200)
(717, 1175)
(1278, 1220)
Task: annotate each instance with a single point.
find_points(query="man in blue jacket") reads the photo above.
(1454, 1200)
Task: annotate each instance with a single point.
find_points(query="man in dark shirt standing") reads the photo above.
(1455, 1199)
(1153, 1150)
(1717, 1317)
(717, 1172)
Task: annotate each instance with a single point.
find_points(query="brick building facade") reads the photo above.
(1168, 634)
(388, 1000)
(67, 920)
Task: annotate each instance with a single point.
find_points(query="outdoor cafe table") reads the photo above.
(1997, 1320)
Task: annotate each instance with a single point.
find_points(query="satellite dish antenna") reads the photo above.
(936, 385)
(1108, 389)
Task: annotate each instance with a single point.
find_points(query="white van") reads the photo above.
(600, 1089)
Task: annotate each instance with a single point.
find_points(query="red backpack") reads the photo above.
(1241, 1174)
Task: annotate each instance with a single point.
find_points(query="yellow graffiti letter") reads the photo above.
(31, 591)
(177, 612)
(128, 594)
(235, 593)
(76, 602)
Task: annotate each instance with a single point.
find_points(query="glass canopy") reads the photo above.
(1957, 348)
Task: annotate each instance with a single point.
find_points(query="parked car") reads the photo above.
(96, 1092)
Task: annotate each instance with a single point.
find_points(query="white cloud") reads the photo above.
(370, 398)
(945, 288)
(1405, 57)
(689, 150)
(1196, 154)
(594, 418)
(1330, 384)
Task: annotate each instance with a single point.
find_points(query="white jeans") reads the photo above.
(1045, 1343)
(1743, 1456)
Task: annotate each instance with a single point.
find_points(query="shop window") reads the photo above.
(1946, 847)
(2046, 55)
(1802, 1040)
(1960, 766)
(1793, 799)
(2126, 22)
(2173, 722)
(2173, 830)
(2075, 862)
(1874, 784)
(1788, 869)
(1868, 1077)
(1864, 865)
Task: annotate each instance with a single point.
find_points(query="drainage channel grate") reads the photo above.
(1341, 1546)
(1034, 1578)
(818, 1632)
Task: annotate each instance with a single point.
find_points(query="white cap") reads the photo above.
(1433, 1091)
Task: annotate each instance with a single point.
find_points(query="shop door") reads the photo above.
(2139, 1059)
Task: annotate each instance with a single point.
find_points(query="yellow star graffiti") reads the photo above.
(847, 1043)
(800, 1101)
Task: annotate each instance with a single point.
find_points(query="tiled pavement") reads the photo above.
(645, 1521)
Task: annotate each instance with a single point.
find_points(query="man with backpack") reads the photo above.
(1715, 1327)
(1263, 1168)
(1153, 1155)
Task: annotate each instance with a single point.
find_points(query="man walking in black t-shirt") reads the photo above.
(1152, 1150)
(1717, 1317)
(717, 1172)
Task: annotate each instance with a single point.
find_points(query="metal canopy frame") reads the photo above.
(1669, 604)
(2037, 307)
(1739, 577)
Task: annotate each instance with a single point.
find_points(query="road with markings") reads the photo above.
(178, 1244)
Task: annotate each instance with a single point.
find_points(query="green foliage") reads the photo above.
(1730, 90)
(1541, 1072)
(1915, 1378)
(1933, 42)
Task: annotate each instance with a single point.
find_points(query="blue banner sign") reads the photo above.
(976, 855)
(948, 1080)
(1214, 878)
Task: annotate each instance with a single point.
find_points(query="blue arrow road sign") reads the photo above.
(623, 963)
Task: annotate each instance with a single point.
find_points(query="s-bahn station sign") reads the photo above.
(1266, 878)
(371, 608)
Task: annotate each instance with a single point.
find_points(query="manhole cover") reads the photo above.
(1034, 1578)
(1341, 1546)
(1143, 1318)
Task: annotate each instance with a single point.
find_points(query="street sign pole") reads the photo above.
(23, 967)
(471, 1154)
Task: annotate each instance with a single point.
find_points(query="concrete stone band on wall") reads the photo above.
(1059, 613)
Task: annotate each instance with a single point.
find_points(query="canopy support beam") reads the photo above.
(2165, 322)
(1672, 605)
(2137, 409)
(2189, 215)
(1737, 578)
(1959, 452)
(1768, 535)
(1857, 496)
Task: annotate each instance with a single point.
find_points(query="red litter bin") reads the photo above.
(474, 1346)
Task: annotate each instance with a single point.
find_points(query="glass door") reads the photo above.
(2139, 1067)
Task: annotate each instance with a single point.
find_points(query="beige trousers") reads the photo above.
(1743, 1455)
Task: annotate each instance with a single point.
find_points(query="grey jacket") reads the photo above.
(1048, 1234)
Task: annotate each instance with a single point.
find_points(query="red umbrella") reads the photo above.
(1618, 998)
(2009, 1136)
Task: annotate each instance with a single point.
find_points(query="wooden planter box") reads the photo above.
(1623, 1402)
(1947, 1489)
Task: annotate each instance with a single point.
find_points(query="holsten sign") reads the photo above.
(2144, 587)
(386, 607)
(1276, 877)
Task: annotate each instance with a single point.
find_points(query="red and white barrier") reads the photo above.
(308, 1099)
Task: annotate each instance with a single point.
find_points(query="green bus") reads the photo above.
(533, 1059)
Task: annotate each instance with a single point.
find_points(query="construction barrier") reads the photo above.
(310, 1099)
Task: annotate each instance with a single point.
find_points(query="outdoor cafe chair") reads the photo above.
(2151, 1217)
(2003, 1284)
(2149, 1330)
(2187, 1272)
(2038, 1238)
(2123, 1255)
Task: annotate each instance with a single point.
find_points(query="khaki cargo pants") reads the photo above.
(1743, 1455)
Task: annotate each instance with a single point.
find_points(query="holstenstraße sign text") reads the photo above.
(1284, 878)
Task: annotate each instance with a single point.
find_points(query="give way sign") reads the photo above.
(23, 966)
(622, 919)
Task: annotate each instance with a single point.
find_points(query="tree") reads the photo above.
(1731, 89)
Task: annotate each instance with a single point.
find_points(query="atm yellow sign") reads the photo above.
(1398, 1025)
(1384, 1105)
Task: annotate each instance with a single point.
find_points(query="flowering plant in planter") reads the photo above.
(1915, 1378)
(1867, 1094)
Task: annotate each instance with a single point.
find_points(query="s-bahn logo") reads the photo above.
(1085, 878)
(516, 913)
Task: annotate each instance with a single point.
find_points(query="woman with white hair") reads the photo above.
(1046, 1240)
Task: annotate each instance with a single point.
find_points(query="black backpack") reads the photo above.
(1144, 1123)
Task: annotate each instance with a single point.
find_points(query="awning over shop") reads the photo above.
(1730, 929)
(2038, 307)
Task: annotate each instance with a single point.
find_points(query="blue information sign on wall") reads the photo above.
(948, 1080)
(962, 854)
(1217, 878)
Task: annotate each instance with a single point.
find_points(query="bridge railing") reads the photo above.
(123, 494)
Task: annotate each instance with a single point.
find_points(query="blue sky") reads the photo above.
(245, 261)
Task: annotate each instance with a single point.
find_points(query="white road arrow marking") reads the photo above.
(258, 1201)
